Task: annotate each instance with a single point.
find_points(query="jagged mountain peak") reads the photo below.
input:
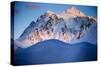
(73, 8)
(50, 12)
(70, 25)
(74, 11)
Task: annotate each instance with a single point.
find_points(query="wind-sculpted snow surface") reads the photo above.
(55, 51)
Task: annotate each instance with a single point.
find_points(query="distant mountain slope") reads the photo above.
(71, 24)
(90, 36)
(55, 51)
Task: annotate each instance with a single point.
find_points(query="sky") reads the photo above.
(26, 12)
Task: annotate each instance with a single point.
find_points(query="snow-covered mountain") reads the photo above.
(67, 26)
(90, 36)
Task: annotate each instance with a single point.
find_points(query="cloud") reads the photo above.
(32, 6)
(29, 6)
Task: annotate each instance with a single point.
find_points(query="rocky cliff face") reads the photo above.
(69, 25)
